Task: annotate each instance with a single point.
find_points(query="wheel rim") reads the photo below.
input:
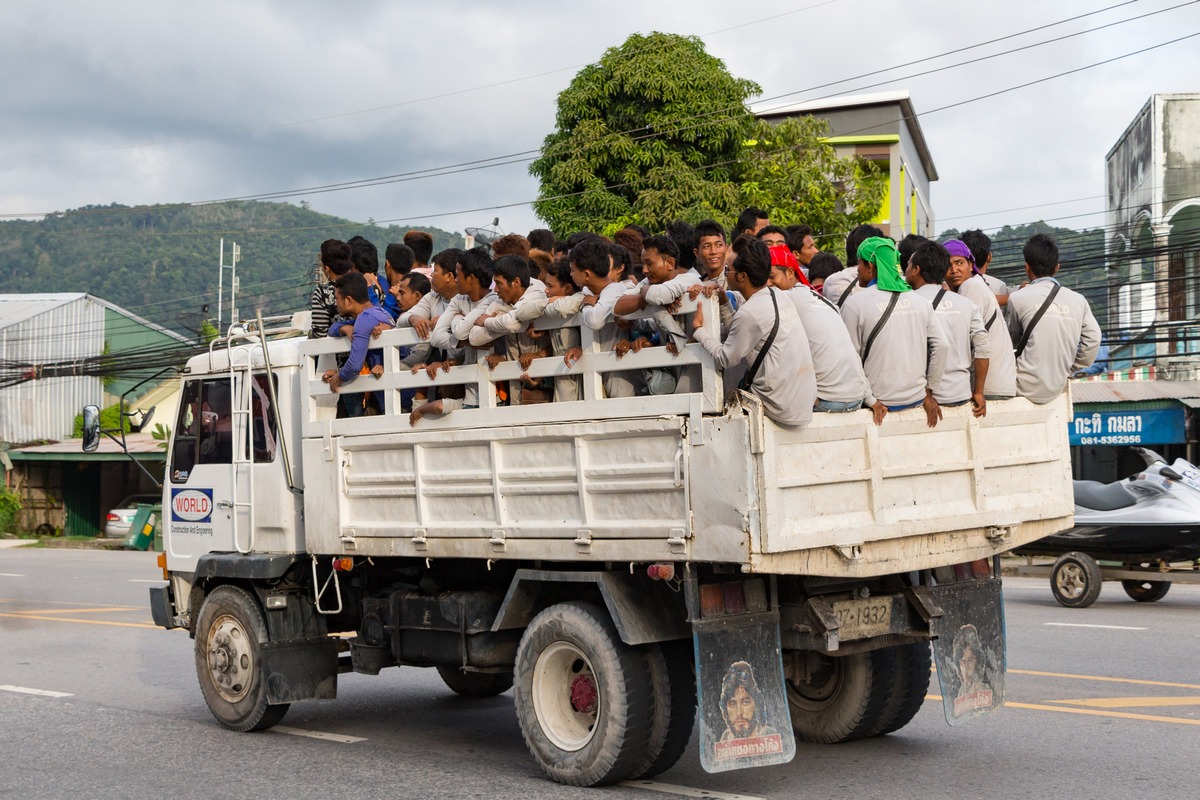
(821, 688)
(230, 658)
(1071, 581)
(566, 696)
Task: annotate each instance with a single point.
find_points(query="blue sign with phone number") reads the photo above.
(1157, 426)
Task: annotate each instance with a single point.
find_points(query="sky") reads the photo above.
(149, 102)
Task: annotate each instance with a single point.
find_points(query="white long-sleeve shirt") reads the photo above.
(454, 326)
(966, 340)
(1066, 338)
(785, 381)
(908, 355)
(838, 369)
(837, 284)
(1002, 367)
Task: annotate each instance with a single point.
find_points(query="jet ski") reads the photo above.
(1150, 517)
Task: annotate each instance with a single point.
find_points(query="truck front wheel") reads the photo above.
(837, 699)
(582, 696)
(230, 632)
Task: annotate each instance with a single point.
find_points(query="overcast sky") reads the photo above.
(157, 102)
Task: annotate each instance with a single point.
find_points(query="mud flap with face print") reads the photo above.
(969, 648)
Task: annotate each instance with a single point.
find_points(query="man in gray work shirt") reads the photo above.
(784, 381)
(962, 278)
(1063, 340)
(907, 353)
(967, 341)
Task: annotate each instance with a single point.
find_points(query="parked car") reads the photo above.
(120, 519)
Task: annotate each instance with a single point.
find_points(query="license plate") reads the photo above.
(862, 618)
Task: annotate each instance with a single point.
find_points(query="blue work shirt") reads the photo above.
(364, 323)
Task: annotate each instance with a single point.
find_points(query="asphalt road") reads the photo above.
(1102, 702)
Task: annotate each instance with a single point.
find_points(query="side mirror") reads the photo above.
(141, 424)
(91, 428)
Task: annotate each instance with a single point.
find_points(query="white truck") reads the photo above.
(617, 563)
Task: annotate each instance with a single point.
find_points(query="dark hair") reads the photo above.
(541, 258)
(749, 218)
(753, 259)
(642, 229)
(591, 255)
(740, 675)
(907, 246)
(684, 237)
(620, 258)
(340, 266)
(352, 285)
(541, 239)
(512, 268)
(795, 236)
(1041, 254)
(400, 257)
(823, 265)
(575, 239)
(771, 229)
(417, 282)
(979, 244)
(421, 243)
(476, 263)
(631, 240)
(560, 250)
(708, 227)
(365, 255)
(664, 245)
(857, 237)
(933, 260)
(447, 259)
(332, 249)
(511, 244)
(561, 270)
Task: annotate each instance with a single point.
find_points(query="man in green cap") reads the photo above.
(900, 341)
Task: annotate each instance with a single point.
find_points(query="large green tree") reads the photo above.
(659, 130)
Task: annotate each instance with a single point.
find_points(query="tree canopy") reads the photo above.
(659, 130)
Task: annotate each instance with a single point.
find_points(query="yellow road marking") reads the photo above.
(1100, 678)
(55, 602)
(1132, 702)
(79, 610)
(83, 621)
(1093, 712)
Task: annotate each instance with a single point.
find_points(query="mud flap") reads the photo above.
(304, 670)
(969, 648)
(744, 718)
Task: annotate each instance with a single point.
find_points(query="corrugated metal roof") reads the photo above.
(16, 308)
(1132, 391)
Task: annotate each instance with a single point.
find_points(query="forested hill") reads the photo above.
(161, 262)
(1081, 254)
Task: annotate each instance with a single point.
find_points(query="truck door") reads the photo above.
(216, 456)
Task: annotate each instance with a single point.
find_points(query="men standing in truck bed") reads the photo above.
(1002, 367)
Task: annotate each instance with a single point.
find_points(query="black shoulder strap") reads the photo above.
(941, 293)
(991, 319)
(822, 298)
(845, 294)
(762, 353)
(1036, 318)
(879, 325)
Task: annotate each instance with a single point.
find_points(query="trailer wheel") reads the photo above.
(673, 684)
(1075, 580)
(475, 684)
(1146, 591)
(910, 684)
(582, 696)
(838, 699)
(230, 632)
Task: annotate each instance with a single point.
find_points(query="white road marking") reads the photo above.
(40, 692)
(329, 737)
(685, 791)
(1083, 625)
(146, 580)
(11, 575)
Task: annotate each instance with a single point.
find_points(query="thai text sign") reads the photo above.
(1156, 426)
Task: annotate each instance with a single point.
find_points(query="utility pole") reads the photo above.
(233, 285)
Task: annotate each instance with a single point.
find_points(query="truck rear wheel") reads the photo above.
(673, 684)
(230, 632)
(910, 684)
(582, 696)
(838, 699)
(475, 684)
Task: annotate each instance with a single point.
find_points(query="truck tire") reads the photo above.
(475, 684)
(1146, 591)
(843, 698)
(230, 632)
(1075, 580)
(582, 696)
(673, 684)
(910, 683)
